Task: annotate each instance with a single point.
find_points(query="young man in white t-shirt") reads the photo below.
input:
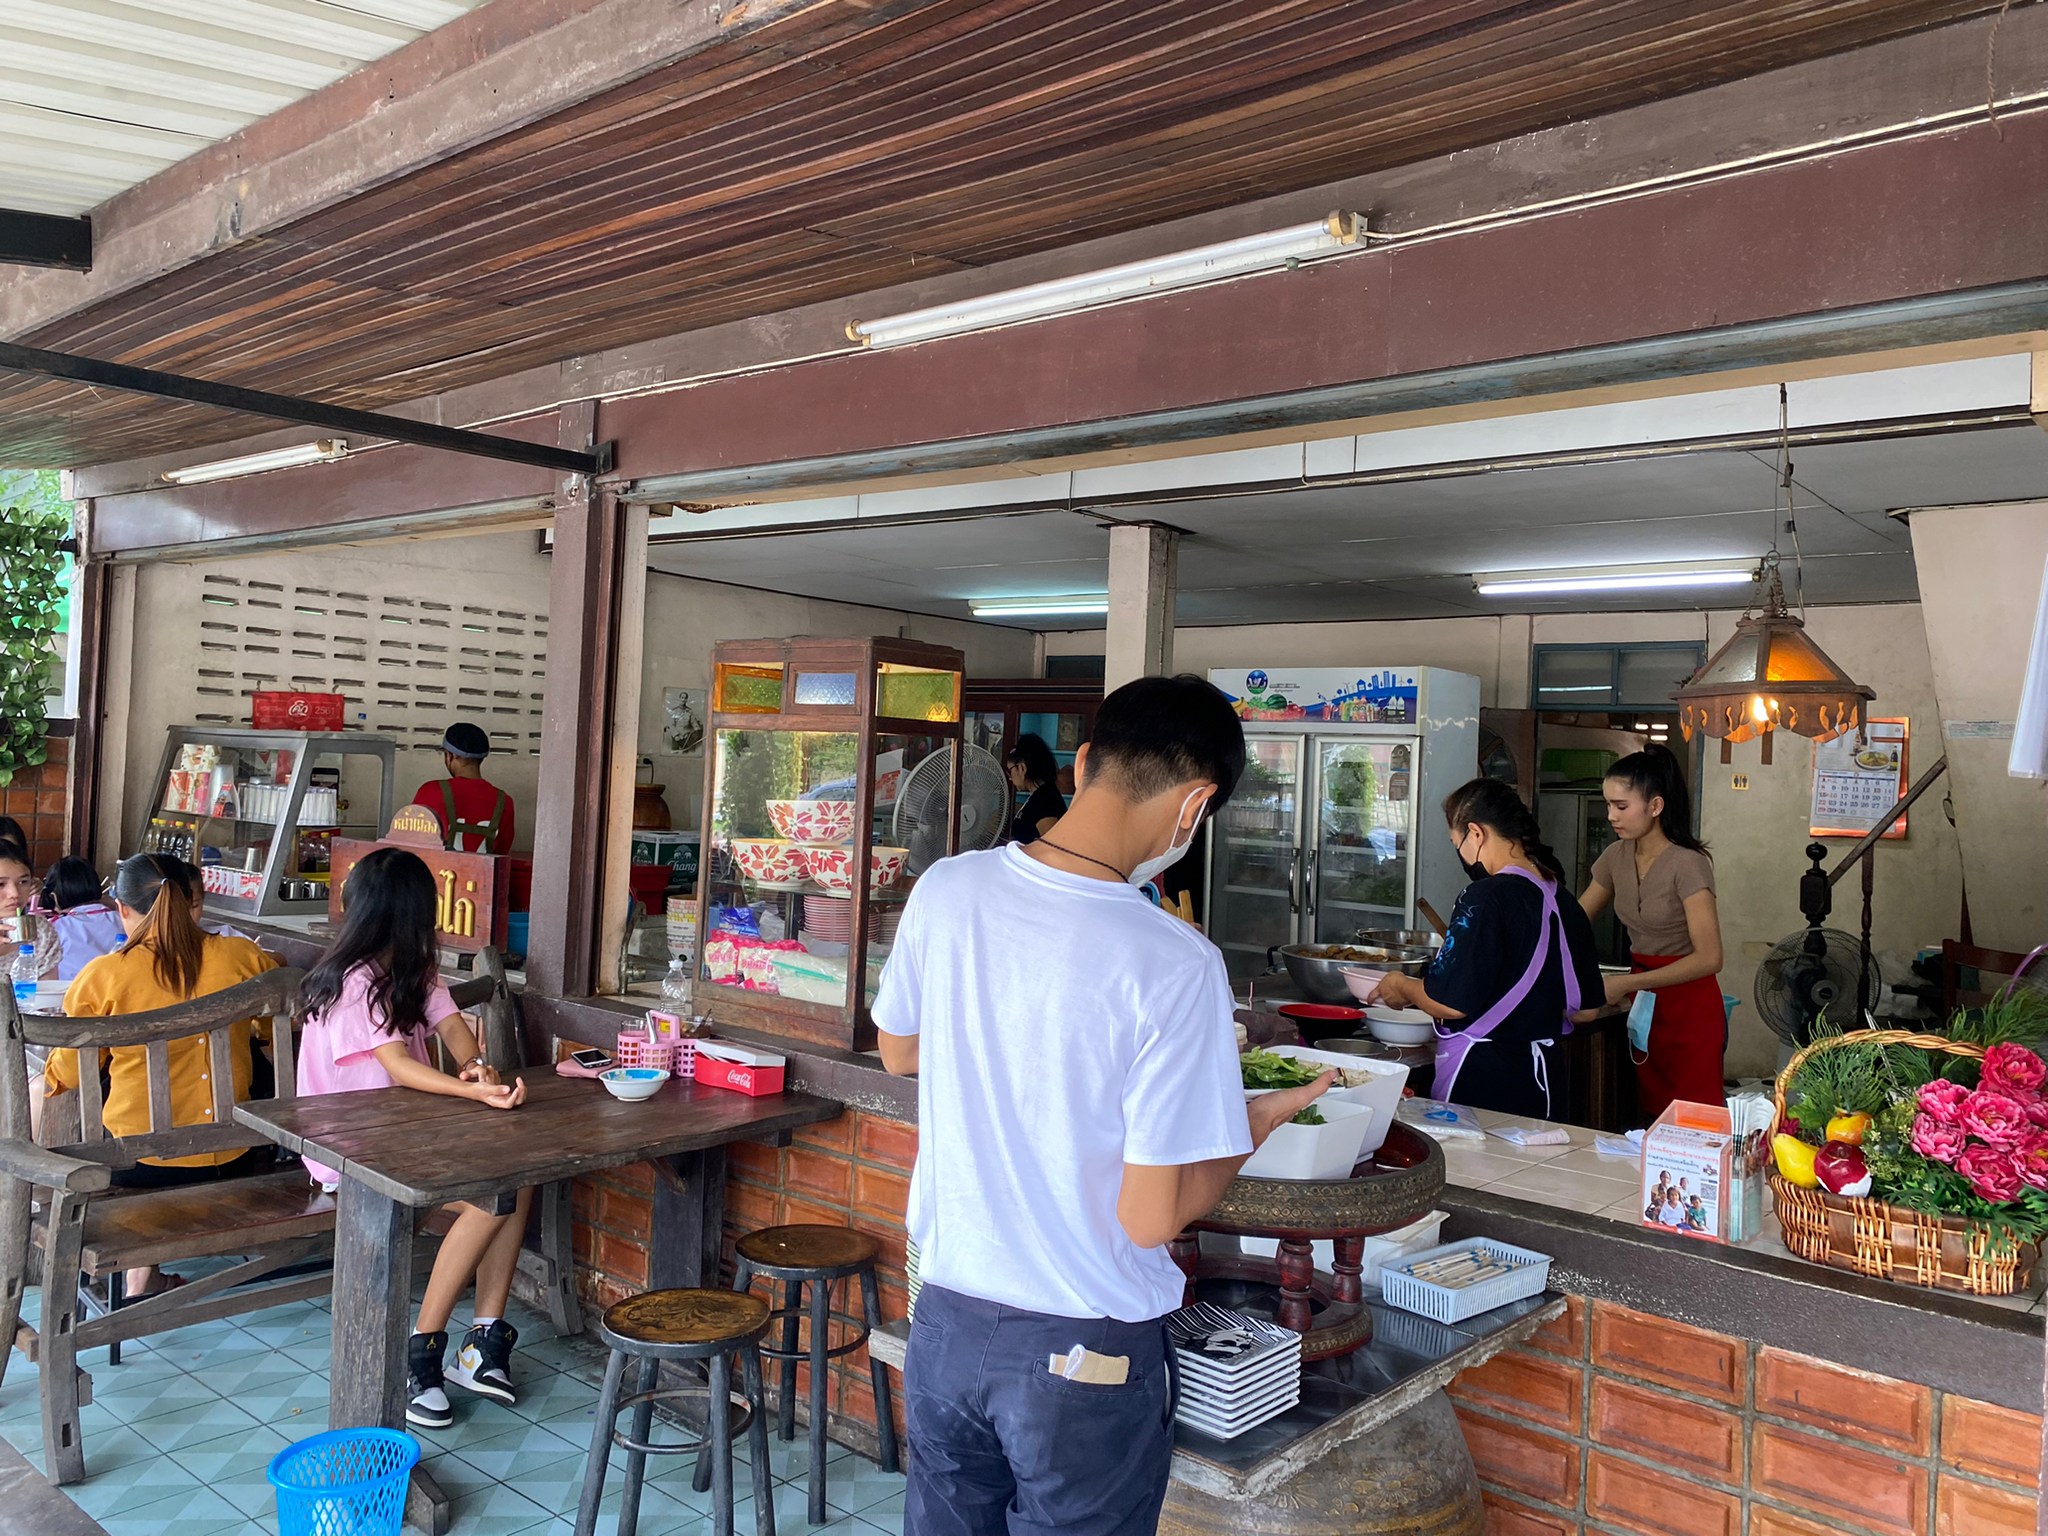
(1079, 1104)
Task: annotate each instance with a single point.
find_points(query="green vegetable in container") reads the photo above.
(1263, 1069)
(1309, 1116)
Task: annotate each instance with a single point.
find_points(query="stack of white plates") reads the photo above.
(911, 1276)
(1236, 1372)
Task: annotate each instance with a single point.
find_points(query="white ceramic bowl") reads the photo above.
(633, 1083)
(1400, 1026)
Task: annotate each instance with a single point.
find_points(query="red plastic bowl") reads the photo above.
(1317, 1020)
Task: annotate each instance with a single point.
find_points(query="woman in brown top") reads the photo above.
(1661, 883)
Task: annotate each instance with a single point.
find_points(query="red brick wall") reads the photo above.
(1616, 1423)
(40, 799)
(849, 1172)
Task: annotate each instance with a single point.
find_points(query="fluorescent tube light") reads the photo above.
(1229, 258)
(255, 463)
(1037, 607)
(1616, 578)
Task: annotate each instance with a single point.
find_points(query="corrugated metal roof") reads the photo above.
(97, 95)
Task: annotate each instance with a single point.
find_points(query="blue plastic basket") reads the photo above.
(346, 1482)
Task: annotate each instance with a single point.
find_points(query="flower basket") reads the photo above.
(1890, 1242)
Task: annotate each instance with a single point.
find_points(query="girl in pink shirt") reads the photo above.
(366, 1007)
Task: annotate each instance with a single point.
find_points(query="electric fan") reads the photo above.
(923, 804)
(1811, 973)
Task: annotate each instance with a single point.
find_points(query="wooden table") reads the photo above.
(401, 1151)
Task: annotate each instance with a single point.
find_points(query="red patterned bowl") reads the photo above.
(813, 821)
(831, 869)
(771, 859)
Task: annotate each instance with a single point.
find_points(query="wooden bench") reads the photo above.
(278, 1223)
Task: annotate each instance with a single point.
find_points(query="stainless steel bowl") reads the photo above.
(1346, 1045)
(1402, 938)
(1317, 969)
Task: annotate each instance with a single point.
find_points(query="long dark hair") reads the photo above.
(1030, 753)
(1493, 804)
(161, 891)
(1654, 774)
(70, 883)
(387, 925)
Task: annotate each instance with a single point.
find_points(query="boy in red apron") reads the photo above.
(476, 815)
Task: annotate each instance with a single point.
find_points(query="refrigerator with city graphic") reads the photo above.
(1336, 826)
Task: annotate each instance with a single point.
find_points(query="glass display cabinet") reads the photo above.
(832, 777)
(258, 811)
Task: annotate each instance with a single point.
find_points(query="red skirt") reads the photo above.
(1688, 1037)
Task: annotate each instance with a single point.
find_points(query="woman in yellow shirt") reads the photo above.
(167, 960)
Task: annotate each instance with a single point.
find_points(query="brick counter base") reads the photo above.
(1617, 1423)
(849, 1172)
(39, 799)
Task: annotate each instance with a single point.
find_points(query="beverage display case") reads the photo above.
(257, 811)
(832, 781)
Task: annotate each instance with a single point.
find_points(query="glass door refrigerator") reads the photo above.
(1335, 828)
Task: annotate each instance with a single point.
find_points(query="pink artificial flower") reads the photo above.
(2014, 1070)
(1943, 1100)
(1932, 1139)
(2032, 1160)
(2037, 1112)
(1996, 1117)
(1993, 1173)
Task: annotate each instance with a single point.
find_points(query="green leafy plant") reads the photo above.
(33, 531)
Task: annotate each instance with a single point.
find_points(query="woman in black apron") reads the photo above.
(1516, 964)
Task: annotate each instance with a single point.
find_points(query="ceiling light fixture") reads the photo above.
(1036, 607)
(1228, 258)
(1616, 578)
(323, 451)
(1770, 676)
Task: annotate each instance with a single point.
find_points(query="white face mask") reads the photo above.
(1152, 868)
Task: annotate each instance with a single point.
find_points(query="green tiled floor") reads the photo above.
(178, 1436)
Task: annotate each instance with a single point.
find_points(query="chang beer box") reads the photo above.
(678, 850)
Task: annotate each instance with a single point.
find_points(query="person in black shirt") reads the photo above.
(1490, 1041)
(1034, 774)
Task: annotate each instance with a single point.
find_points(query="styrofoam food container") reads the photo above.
(1400, 1026)
(1381, 1095)
(1325, 1151)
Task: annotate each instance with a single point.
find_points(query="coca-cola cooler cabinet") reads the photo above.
(258, 811)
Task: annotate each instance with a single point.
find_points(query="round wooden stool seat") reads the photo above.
(683, 1324)
(809, 1252)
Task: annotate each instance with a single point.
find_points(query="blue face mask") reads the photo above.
(1639, 1013)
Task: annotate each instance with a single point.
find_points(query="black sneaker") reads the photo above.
(426, 1399)
(484, 1363)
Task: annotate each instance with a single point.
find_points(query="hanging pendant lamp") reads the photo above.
(1770, 676)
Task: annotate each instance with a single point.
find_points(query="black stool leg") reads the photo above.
(821, 1380)
(117, 1293)
(757, 1440)
(743, 1276)
(793, 1304)
(636, 1461)
(600, 1446)
(719, 1431)
(885, 1415)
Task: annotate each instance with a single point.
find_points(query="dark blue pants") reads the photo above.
(999, 1446)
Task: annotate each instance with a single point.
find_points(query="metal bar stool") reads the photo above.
(816, 1256)
(681, 1325)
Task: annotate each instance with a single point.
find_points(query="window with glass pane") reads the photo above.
(826, 690)
(1650, 674)
(916, 693)
(912, 832)
(1574, 677)
(753, 689)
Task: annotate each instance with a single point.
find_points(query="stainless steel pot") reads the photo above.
(1321, 978)
(1402, 938)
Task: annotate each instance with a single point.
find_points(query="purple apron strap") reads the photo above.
(1452, 1049)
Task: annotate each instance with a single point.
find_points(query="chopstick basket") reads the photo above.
(1527, 1275)
(1891, 1242)
(636, 1050)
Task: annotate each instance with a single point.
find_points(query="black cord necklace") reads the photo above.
(1098, 863)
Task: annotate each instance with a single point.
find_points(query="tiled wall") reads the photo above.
(40, 798)
(1624, 1424)
(849, 1172)
(1610, 1422)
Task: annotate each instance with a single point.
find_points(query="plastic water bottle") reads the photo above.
(23, 971)
(676, 987)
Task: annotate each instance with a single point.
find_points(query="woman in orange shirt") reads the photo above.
(167, 960)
